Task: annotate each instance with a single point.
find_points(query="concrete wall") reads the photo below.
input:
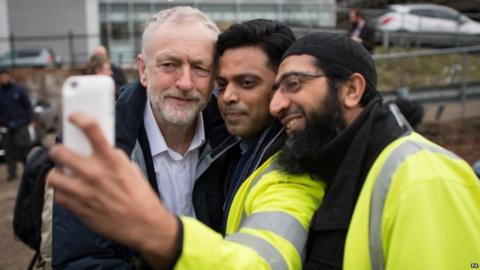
(55, 18)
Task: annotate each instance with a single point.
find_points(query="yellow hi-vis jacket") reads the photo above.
(267, 225)
(418, 209)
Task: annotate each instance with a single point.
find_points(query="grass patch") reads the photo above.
(424, 70)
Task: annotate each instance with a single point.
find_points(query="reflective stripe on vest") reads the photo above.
(380, 191)
(282, 224)
(263, 248)
(273, 166)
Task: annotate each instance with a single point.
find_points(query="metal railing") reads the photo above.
(451, 88)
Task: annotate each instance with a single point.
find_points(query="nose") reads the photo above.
(184, 79)
(279, 103)
(229, 95)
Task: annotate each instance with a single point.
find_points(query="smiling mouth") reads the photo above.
(291, 122)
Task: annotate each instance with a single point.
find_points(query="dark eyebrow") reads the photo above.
(288, 74)
(242, 76)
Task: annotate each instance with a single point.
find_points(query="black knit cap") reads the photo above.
(337, 49)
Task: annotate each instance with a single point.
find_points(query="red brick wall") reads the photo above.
(461, 137)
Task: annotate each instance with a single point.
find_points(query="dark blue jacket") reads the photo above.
(74, 246)
(15, 107)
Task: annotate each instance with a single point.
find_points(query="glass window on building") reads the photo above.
(222, 14)
(104, 34)
(141, 13)
(119, 8)
(250, 11)
(103, 15)
(120, 31)
(162, 6)
(138, 28)
(141, 8)
(291, 13)
(102, 9)
(118, 17)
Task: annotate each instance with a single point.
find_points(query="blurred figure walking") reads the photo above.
(15, 116)
(117, 73)
(360, 31)
(98, 65)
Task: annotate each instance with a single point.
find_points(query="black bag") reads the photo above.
(21, 142)
(27, 217)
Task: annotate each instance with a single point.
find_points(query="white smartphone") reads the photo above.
(93, 95)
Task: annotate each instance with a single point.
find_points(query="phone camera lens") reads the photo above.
(74, 84)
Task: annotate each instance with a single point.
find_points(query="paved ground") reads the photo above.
(14, 255)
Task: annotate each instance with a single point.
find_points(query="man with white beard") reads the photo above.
(160, 124)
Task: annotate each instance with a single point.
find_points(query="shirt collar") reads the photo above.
(155, 136)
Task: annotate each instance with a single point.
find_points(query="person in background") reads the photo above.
(99, 65)
(412, 110)
(15, 116)
(117, 73)
(360, 31)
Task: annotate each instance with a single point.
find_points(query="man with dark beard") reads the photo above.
(394, 200)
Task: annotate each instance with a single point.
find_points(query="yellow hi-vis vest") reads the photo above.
(267, 225)
(418, 209)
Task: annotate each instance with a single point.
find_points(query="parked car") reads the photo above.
(30, 57)
(428, 24)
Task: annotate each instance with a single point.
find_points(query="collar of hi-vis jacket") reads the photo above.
(344, 164)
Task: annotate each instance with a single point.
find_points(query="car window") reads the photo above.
(444, 14)
(423, 13)
(26, 54)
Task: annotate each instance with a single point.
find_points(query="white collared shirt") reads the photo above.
(175, 173)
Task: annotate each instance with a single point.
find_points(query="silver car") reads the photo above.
(428, 24)
(30, 57)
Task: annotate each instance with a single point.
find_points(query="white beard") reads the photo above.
(173, 113)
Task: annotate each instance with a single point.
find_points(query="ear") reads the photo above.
(353, 91)
(142, 66)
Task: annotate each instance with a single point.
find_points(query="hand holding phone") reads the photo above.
(93, 95)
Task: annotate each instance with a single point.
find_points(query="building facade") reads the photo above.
(72, 28)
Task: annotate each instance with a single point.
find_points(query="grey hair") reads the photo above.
(177, 15)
